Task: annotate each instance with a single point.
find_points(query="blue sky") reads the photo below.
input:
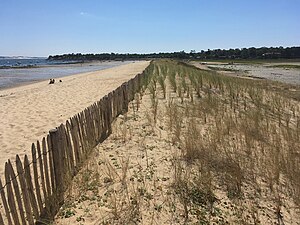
(42, 28)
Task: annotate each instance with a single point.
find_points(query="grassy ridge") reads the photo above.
(236, 134)
(196, 147)
(286, 66)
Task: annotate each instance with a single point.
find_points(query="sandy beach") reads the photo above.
(28, 112)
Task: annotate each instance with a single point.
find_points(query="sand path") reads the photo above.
(28, 112)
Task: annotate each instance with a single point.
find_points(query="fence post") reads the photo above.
(41, 166)
(24, 190)
(1, 219)
(10, 196)
(57, 164)
(17, 192)
(4, 202)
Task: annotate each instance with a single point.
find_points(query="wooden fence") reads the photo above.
(34, 188)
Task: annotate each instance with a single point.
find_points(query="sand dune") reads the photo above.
(28, 112)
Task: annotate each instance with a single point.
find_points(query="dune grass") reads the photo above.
(202, 149)
(286, 66)
(234, 133)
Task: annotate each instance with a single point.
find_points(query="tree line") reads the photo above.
(244, 53)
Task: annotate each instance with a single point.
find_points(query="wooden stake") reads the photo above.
(36, 178)
(5, 204)
(24, 189)
(17, 192)
(10, 196)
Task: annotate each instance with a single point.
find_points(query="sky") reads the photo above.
(51, 27)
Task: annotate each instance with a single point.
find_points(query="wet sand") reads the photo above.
(265, 71)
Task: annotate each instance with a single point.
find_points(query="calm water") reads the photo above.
(10, 62)
(19, 62)
(43, 70)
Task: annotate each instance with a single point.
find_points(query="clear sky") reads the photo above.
(49, 27)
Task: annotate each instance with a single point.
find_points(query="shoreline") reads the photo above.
(65, 63)
(268, 71)
(15, 77)
(29, 111)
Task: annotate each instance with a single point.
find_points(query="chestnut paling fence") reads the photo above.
(33, 189)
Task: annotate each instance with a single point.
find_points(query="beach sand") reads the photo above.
(27, 113)
(256, 71)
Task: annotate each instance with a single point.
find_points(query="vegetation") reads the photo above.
(232, 54)
(286, 66)
(209, 149)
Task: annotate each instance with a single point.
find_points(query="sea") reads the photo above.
(15, 71)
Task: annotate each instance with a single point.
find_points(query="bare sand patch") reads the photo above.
(271, 71)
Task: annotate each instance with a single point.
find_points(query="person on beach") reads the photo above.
(51, 81)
